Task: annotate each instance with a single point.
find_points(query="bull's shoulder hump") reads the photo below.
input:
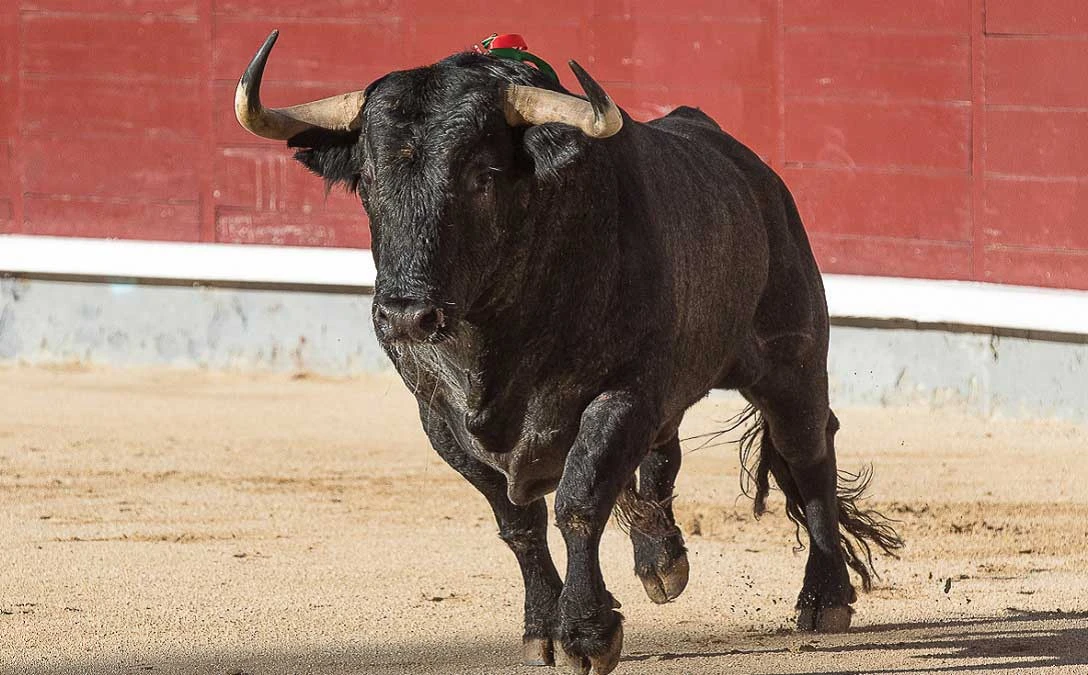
(686, 117)
(693, 124)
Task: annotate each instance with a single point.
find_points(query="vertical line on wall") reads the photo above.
(18, 203)
(206, 180)
(978, 138)
(779, 28)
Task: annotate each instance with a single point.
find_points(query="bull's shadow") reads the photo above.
(1036, 640)
(991, 644)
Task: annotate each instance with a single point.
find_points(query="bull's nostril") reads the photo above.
(429, 321)
(381, 317)
(400, 319)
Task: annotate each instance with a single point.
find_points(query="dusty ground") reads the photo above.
(197, 523)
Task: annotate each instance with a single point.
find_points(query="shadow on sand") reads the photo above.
(1036, 640)
(993, 645)
(1020, 640)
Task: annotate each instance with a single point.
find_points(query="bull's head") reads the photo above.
(445, 160)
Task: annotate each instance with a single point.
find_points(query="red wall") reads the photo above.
(933, 138)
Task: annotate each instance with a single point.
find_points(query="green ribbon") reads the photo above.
(520, 55)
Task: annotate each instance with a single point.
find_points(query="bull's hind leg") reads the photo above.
(797, 448)
(661, 560)
(524, 529)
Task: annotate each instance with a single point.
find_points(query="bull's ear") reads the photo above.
(329, 154)
(553, 148)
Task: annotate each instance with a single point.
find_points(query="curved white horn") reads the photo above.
(342, 112)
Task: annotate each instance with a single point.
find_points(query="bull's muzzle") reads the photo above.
(407, 320)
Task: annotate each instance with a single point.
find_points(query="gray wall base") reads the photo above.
(55, 322)
(48, 322)
(985, 374)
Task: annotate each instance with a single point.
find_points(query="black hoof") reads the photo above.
(595, 664)
(661, 563)
(537, 652)
(667, 581)
(835, 619)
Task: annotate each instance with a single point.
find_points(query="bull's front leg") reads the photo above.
(615, 432)
(661, 560)
(524, 529)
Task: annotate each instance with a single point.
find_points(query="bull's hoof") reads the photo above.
(537, 652)
(570, 663)
(834, 619)
(601, 664)
(663, 585)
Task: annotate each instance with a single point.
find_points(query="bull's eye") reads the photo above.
(482, 181)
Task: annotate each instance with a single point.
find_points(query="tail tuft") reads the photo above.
(863, 526)
(754, 467)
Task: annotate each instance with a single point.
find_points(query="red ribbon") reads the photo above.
(504, 41)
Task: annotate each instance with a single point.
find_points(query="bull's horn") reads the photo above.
(598, 117)
(342, 112)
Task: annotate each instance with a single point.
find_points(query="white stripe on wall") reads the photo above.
(969, 303)
(848, 296)
(172, 261)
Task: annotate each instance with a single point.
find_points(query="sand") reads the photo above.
(181, 522)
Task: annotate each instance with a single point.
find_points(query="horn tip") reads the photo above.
(589, 85)
(579, 71)
(270, 40)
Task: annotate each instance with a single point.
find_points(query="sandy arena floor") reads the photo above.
(199, 523)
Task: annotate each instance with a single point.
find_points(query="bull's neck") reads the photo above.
(565, 270)
(551, 312)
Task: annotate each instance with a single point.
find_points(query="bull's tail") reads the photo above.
(859, 528)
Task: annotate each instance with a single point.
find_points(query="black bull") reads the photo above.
(557, 284)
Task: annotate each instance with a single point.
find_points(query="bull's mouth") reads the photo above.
(445, 359)
(440, 337)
